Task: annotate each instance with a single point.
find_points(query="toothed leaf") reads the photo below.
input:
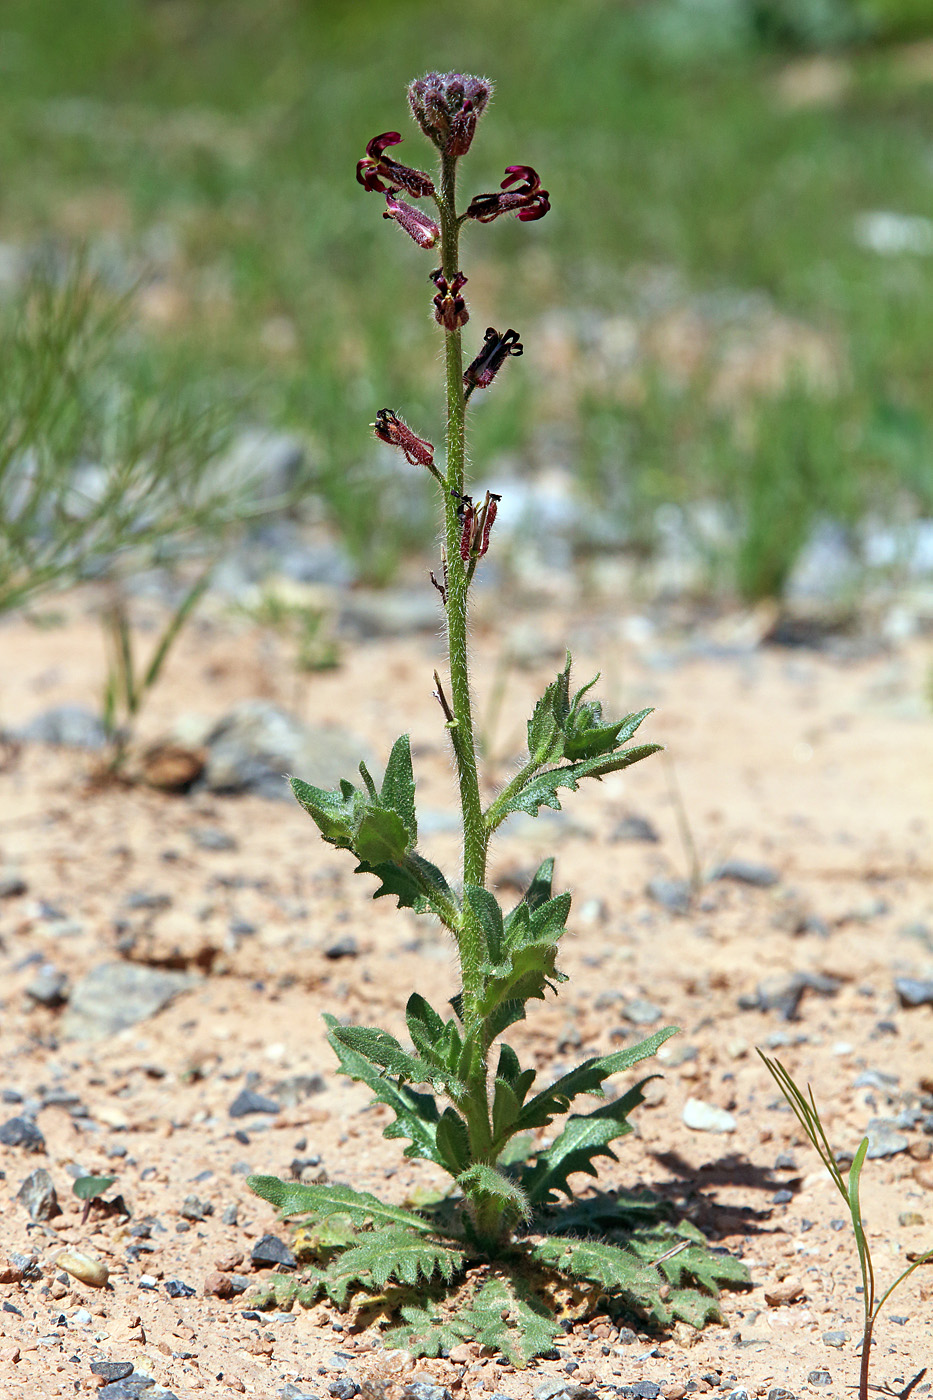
(398, 787)
(587, 1078)
(395, 1253)
(583, 1139)
(614, 1269)
(438, 1042)
(416, 1114)
(503, 1315)
(319, 1202)
(453, 1142)
(481, 1180)
(541, 790)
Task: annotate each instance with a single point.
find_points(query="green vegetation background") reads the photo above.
(215, 142)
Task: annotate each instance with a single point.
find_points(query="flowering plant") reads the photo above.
(503, 1237)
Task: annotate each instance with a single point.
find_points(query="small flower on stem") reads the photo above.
(377, 171)
(527, 201)
(389, 428)
(449, 307)
(496, 350)
(417, 225)
(475, 525)
(447, 107)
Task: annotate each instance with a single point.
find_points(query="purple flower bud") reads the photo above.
(449, 307)
(417, 225)
(389, 428)
(447, 107)
(476, 524)
(377, 171)
(528, 201)
(496, 350)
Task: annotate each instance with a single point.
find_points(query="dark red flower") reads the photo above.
(417, 225)
(447, 107)
(496, 350)
(476, 524)
(377, 171)
(449, 307)
(527, 201)
(389, 428)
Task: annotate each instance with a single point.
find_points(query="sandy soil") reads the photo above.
(823, 769)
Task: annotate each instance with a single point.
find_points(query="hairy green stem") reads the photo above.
(475, 840)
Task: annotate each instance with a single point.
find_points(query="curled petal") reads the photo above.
(377, 171)
(496, 350)
(527, 201)
(450, 309)
(416, 224)
(389, 428)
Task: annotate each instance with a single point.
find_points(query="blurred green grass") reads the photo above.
(215, 142)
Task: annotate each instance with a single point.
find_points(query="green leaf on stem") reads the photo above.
(613, 1268)
(319, 1202)
(587, 1078)
(453, 1142)
(541, 790)
(416, 1114)
(88, 1188)
(481, 1181)
(393, 1252)
(584, 1138)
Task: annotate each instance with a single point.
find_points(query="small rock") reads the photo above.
(707, 1118)
(345, 1389)
(746, 872)
(884, 1140)
(291, 1092)
(820, 1378)
(343, 948)
(194, 1209)
(248, 1101)
(672, 895)
(836, 1338)
(67, 726)
(270, 1251)
(645, 1390)
(49, 987)
(218, 1285)
(641, 1012)
(632, 828)
(914, 991)
(253, 746)
(176, 1288)
(230, 1215)
(422, 1390)
(909, 1218)
(789, 1290)
(37, 1194)
(12, 884)
(784, 994)
(112, 1370)
(83, 1267)
(27, 1264)
(113, 996)
(9, 1272)
(211, 838)
(22, 1132)
(129, 1389)
(779, 1393)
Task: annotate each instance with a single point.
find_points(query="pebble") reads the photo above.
(914, 991)
(176, 1288)
(291, 1092)
(343, 948)
(836, 1338)
(230, 1215)
(746, 872)
(672, 895)
(707, 1118)
(67, 726)
(49, 987)
(785, 993)
(269, 1251)
(421, 1390)
(884, 1140)
(211, 838)
(218, 1285)
(645, 1390)
(255, 744)
(115, 995)
(112, 1370)
(22, 1132)
(779, 1393)
(83, 1267)
(37, 1194)
(344, 1389)
(130, 1388)
(248, 1101)
(194, 1209)
(789, 1290)
(12, 883)
(641, 1012)
(632, 828)
(820, 1378)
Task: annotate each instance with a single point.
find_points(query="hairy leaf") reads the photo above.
(504, 1315)
(485, 908)
(438, 1042)
(541, 790)
(382, 1050)
(614, 1269)
(453, 1142)
(587, 1078)
(481, 1180)
(396, 1253)
(319, 1202)
(416, 1114)
(417, 884)
(398, 787)
(584, 1138)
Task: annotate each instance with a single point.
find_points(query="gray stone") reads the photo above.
(563, 1390)
(914, 991)
(248, 1101)
(49, 987)
(423, 1390)
(346, 947)
(211, 838)
(37, 1194)
(646, 1390)
(194, 1209)
(12, 883)
(257, 745)
(291, 1092)
(641, 1012)
(746, 872)
(231, 1215)
(343, 1388)
(779, 1393)
(707, 1118)
(785, 993)
(128, 1389)
(296, 1392)
(22, 1132)
(673, 895)
(390, 612)
(112, 1370)
(884, 1140)
(632, 828)
(820, 1378)
(115, 995)
(836, 1338)
(270, 1251)
(68, 726)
